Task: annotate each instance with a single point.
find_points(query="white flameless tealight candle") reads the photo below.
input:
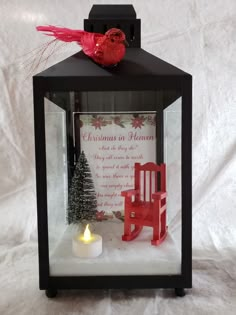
(87, 245)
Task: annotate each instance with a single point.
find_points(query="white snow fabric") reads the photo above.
(196, 36)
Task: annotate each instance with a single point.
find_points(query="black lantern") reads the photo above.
(113, 158)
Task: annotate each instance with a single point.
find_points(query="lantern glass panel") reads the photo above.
(56, 167)
(93, 140)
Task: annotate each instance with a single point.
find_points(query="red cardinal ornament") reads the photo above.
(106, 50)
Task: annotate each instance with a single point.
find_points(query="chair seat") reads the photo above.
(142, 204)
(143, 207)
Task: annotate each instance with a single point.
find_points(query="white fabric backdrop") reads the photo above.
(196, 36)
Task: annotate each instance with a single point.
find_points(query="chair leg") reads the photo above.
(133, 234)
(156, 223)
(163, 223)
(127, 228)
(156, 235)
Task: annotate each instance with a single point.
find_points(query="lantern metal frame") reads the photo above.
(138, 71)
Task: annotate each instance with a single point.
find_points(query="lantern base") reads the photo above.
(118, 257)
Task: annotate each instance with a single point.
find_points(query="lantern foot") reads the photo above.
(51, 293)
(179, 292)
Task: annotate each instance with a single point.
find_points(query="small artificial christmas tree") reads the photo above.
(82, 203)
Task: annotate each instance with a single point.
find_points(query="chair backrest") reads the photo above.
(149, 178)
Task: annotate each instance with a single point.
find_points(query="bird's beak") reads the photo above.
(125, 43)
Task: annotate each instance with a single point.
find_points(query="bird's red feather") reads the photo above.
(95, 45)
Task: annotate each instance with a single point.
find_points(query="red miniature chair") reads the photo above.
(145, 205)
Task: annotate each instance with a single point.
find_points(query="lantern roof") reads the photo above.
(138, 69)
(137, 62)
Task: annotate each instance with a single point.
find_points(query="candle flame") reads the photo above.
(87, 233)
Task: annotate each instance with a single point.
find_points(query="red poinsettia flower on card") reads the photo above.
(98, 122)
(100, 215)
(138, 122)
(118, 215)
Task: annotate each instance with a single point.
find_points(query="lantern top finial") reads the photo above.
(123, 16)
(112, 11)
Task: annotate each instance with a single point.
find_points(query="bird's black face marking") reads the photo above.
(118, 34)
(115, 35)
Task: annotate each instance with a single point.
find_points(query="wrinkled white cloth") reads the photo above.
(213, 292)
(196, 36)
